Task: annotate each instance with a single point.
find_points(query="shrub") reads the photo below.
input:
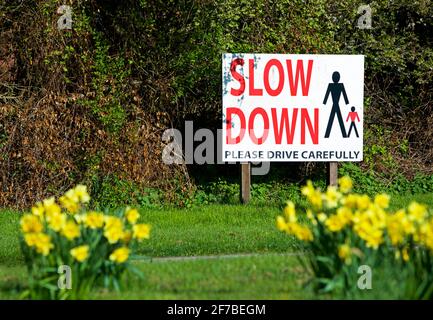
(347, 230)
(93, 101)
(95, 246)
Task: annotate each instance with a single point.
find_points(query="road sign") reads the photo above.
(294, 108)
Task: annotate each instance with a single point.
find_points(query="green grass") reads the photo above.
(9, 246)
(214, 229)
(210, 230)
(400, 201)
(265, 277)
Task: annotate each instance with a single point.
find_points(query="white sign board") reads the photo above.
(282, 107)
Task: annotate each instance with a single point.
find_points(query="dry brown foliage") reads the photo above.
(49, 141)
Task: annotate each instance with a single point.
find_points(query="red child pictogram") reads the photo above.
(353, 116)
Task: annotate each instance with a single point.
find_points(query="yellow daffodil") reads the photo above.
(417, 212)
(408, 227)
(374, 239)
(345, 253)
(335, 223)
(322, 217)
(373, 236)
(57, 221)
(377, 216)
(350, 201)
(80, 218)
(281, 223)
(332, 196)
(314, 196)
(308, 189)
(72, 199)
(38, 210)
(316, 199)
(114, 234)
(290, 211)
(41, 242)
(71, 230)
(405, 254)
(304, 234)
(132, 215)
(311, 217)
(345, 184)
(31, 224)
(395, 227)
(81, 193)
(72, 196)
(30, 239)
(113, 229)
(427, 235)
(111, 221)
(382, 200)
(363, 202)
(120, 255)
(48, 202)
(127, 236)
(345, 214)
(69, 204)
(301, 232)
(94, 220)
(141, 231)
(51, 208)
(80, 253)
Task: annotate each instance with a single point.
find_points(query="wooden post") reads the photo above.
(332, 173)
(245, 182)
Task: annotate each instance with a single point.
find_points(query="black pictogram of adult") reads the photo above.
(335, 89)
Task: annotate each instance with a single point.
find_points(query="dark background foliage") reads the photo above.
(90, 104)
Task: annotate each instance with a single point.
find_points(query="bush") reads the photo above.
(94, 246)
(372, 182)
(348, 230)
(79, 105)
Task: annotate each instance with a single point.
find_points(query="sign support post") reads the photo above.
(332, 173)
(245, 182)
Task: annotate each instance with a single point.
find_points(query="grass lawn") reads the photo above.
(209, 230)
(271, 273)
(266, 277)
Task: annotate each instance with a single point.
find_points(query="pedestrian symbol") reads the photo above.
(335, 89)
(353, 115)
